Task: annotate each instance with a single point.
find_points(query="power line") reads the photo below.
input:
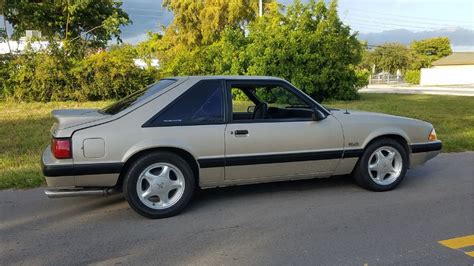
(394, 24)
(147, 10)
(392, 20)
(402, 16)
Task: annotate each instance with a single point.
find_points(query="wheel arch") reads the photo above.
(187, 156)
(397, 137)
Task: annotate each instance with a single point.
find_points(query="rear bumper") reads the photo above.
(64, 173)
(422, 152)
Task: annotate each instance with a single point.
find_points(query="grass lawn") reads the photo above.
(24, 133)
(24, 128)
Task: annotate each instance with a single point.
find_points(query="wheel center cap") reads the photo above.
(160, 185)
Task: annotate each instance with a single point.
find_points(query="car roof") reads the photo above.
(230, 77)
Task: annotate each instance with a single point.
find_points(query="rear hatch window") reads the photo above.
(137, 97)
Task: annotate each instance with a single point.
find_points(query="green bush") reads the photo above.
(412, 76)
(363, 77)
(109, 75)
(54, 76)
(39, 77)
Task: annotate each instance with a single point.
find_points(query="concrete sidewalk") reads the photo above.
(458, 90)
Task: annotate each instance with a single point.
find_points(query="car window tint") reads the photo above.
(272, 102)
(279, 97)
(137, 97)
(203, 103)
(240, 101)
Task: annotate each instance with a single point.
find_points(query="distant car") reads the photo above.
(159, 144)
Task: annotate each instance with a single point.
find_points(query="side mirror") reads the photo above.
(250, 109)
(318, 115)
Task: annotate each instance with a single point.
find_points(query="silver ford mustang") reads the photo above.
(160, 144)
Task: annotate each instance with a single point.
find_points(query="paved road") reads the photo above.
(325, 221)
(460, 90)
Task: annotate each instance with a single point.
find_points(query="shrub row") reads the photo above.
(54, 76)
(412, 76)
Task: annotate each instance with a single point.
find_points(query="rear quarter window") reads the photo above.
(201, 104)
(137, 97)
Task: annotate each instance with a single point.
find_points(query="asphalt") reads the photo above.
(322, 221)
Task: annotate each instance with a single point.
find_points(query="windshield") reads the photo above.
(137, 97)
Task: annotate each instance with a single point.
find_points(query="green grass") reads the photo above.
(24, 133)
(24, 127)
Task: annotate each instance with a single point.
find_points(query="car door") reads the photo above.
(285, 144)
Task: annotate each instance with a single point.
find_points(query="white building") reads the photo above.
(457, 68)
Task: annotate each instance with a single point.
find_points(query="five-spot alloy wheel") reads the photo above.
(159, 184)
(382, 166)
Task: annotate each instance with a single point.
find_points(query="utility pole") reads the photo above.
(260, 8)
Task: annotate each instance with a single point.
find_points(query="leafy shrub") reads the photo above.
(412, 76)
(54, 76)
(40, 77)
(5, 65)
(363, 77)
(109, 75)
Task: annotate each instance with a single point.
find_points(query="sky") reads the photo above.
(364, 16)
(415, 15)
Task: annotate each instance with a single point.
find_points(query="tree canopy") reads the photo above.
(93, 21)
(391, 57)
(429, 50)
(305, 43)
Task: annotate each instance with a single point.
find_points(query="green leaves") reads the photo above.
(306, 44)
(93, 21)
(429, 50)
(309, 46)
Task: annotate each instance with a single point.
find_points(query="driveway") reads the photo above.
(457, 90)
(323, 221)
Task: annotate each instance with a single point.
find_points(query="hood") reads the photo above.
(368, 115)
(72, 117)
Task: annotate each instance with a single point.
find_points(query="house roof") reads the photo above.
(463, 58)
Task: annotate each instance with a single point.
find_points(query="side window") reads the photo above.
(203, 103)
(240, 101)
(279, 97)
(270, 102)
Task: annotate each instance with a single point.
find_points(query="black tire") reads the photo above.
(361, 172)
(138, 166)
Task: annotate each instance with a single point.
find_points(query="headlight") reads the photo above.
(432, 136)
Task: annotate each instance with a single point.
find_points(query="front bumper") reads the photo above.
(422, 152)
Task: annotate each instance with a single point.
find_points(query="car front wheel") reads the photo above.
(382, 166)
(159, 185)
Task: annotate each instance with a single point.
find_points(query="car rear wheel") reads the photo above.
(382, 166)
(159, 185)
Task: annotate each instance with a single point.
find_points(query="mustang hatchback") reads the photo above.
(159, 144)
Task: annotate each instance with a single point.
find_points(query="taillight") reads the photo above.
(61, 148)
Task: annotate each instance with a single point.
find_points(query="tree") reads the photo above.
(307, 45)
(92, 21)
(429, 50)
(201, 22)
(197, 30)
(391, 57)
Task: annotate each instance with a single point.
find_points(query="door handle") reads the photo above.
(241, 133)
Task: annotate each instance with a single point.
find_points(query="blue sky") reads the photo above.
(415, 15)
(364, 16)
